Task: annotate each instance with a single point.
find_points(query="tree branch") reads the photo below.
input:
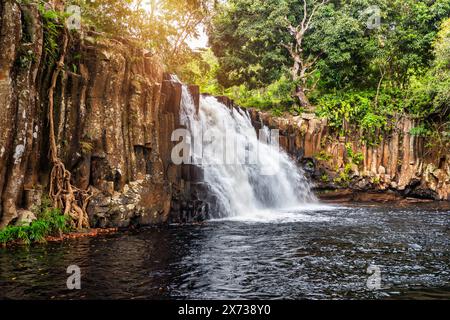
(305, 15)
(313, 62)
(317, 6)
(293, 31)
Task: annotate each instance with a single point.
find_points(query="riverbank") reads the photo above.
(349, 195)
(88, 233)
(333, 198)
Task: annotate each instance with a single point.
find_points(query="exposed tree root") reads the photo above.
(63, 194)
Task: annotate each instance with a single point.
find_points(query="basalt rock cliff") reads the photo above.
(399, 165)
(115, 111)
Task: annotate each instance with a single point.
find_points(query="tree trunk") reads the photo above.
(298, 73)
(302, 98)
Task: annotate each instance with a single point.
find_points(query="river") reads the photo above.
(310, 253)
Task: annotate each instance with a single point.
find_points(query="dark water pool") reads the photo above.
(303, 254)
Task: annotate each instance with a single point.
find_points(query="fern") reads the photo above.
(50, 222)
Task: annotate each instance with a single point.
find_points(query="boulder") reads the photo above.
(24, 218)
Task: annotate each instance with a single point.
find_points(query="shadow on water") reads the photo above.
(122, 266)
(321, 255)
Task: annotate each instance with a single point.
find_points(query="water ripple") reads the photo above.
(299, 254)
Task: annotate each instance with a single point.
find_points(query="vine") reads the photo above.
(70, 199)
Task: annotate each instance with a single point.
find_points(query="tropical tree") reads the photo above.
(303, 62)
(163, 26)
(325, 45)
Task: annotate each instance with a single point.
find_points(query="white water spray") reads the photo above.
(246, 176)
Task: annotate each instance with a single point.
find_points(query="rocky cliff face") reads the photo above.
(114, 111)
(400, 163)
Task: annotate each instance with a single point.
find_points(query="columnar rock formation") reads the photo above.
(114, 112)
(400, 162)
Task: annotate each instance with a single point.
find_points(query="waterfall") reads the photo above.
(245, 173)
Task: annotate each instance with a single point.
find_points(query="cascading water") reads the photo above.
(246, 175)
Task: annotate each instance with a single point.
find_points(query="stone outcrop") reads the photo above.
(400, 162)
(22, 47)
(115, 111)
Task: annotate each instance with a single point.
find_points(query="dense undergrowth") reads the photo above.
(49, 222)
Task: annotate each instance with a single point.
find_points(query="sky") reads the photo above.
(199, 43)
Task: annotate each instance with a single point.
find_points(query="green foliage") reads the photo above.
(202, 71)
(371, 122)
(356, 158)
(276, 97)
(325, 178)
(348, 168)
(429, 96)
(357, 110)
(376, 180)
(248, 37)
(344, 178)
(163, 27)
(437, 136)
(323, 156)
(420, 131)
(245, 36)
(365, 77)
(49, 222)
(53, 24)
(340, 108)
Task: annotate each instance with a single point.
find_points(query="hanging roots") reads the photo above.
(66, 196)
(63, 194)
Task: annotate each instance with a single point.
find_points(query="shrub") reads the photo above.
(323, 156)
(353, 110)
(277, 96)
(50, 222)
(356, 158)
